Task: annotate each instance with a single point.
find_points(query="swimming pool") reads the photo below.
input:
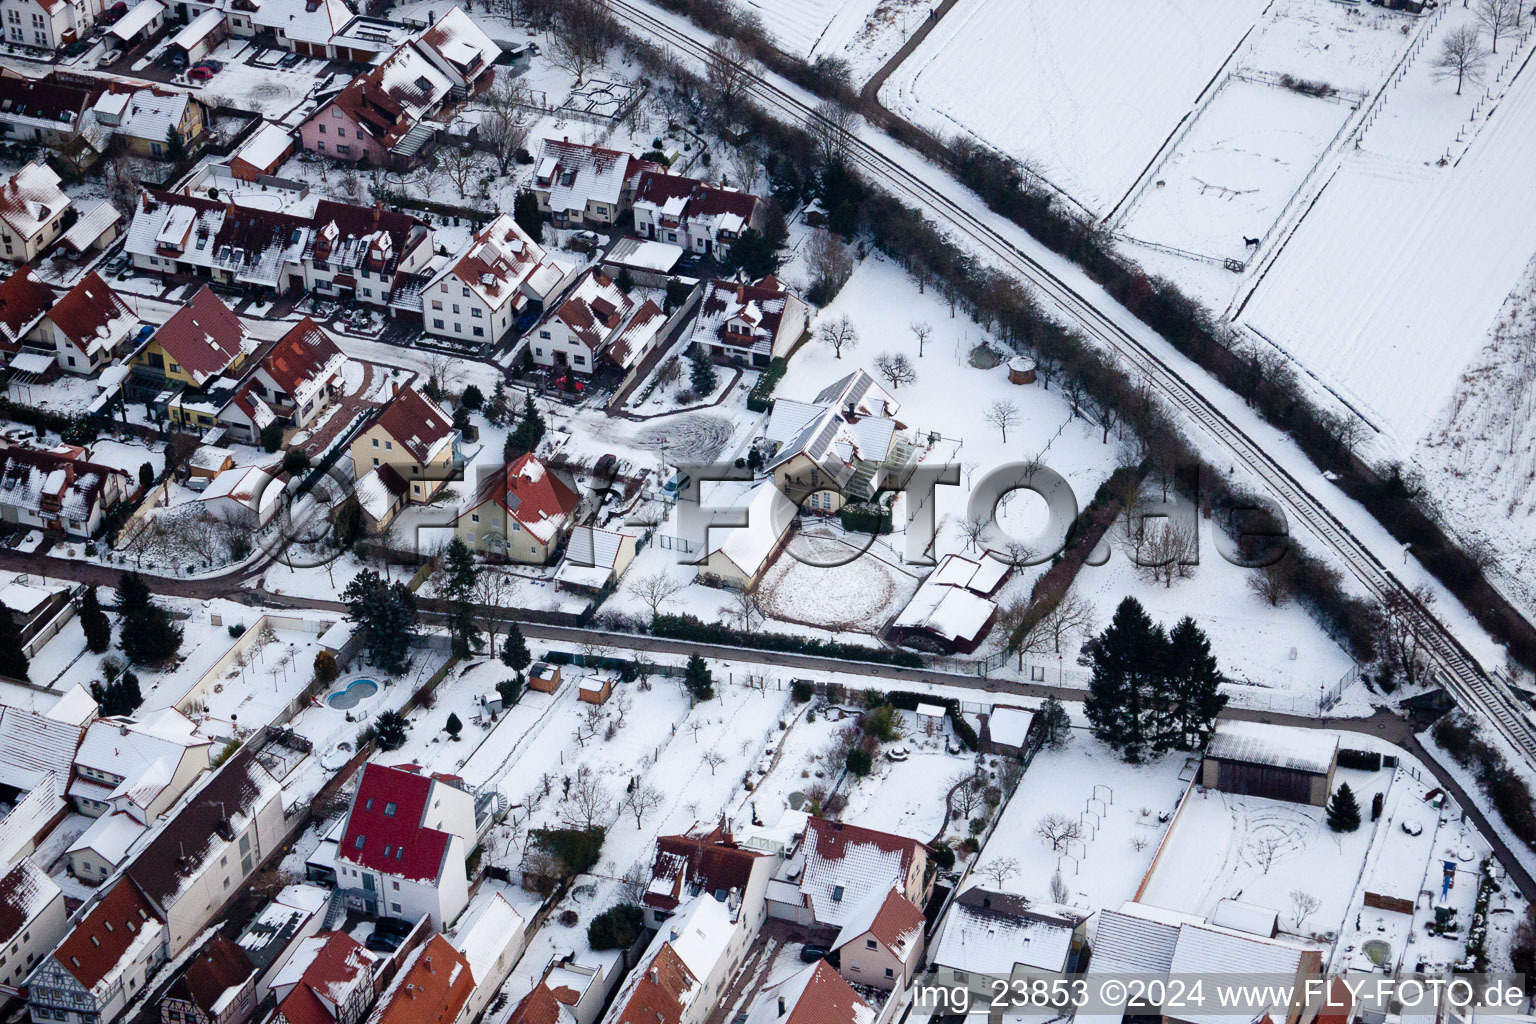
(352, 694)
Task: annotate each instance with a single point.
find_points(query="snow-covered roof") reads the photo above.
(1009, 725)
(490, 926)
(953, 613)
(198, 29)
(769, 514)
(1245, 917)
(852, 424)
(92, 224)
(576, 174)
(813, 995)
(137, 19)
(890, 917)
(643, 254)
(32, 198)
(990, 933)
(303, 20)
(250, 487)
(110, 837)
(266, 147)
(846, 864)
(1280, 746)
(337, 635)
(458, 46)
(591, 555)
(499, 265)
(25, 891)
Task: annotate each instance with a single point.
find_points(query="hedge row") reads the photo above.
(1459, 737)
(691, 628)
(863, 517)
(760, 398)
(1363, 760)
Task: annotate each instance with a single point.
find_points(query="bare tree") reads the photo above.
(1265, 848)
(896, 368)
(999, 869)
(971, 528)
(922, 330)
(642, 800)
(728, 72)
(1002, 414)
(458, 162)
(1498, 17)
(591, 723)
(747, 607)
(965, 793)
(1403, 649)
(840, 334)
(655, 589)
(714, 759)
(582, 35)
(1166, 549)
(445, 372)
(1272, 583)
(1060, 894)
(829, 262)
(745, 163)
(622, 705)
(492, 590)
(588, 803)
(1303, 906)
(1058, 830)
(833, 127)
(634, 883)
(1461, 57)
(504, 126)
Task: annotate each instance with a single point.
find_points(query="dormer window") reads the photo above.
(837, 890)
(358, 844)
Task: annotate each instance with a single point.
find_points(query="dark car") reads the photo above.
(176, 59)
(393, 926)
(78, 47)
(113, 14)
(811, 954)
(210, 64)
(383, 943)
(606, 465)
(291, 60)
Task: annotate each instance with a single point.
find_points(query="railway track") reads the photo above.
(1463, 677)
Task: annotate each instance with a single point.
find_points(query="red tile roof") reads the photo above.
(432, 990)
(384, 829)
(712, 862)
(896, 922)
(703, 199)
(529, 493)
(334, 968)
(541, 1006)
(221, 966)
(23, 298)
(417, 423)
(831, 838)
(203, 337)
(87, 309)
(828, 999)
(98, 941)
(299, 355)
(660, 996)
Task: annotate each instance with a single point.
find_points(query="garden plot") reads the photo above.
(1084, 781)
(1236, 170)
(1223, 846)
(1086, 91)
(798, 772)
(825, 580)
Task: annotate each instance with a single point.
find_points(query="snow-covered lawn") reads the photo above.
(824, 579)
(1085, 90)
(1085, 780)
(1235, 171)
(1224, 846)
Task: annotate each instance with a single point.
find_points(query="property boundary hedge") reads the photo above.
(689, 627)
(760, 398)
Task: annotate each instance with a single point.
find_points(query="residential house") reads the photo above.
(44, 110)
(707, 862)
(595, 558)
(479, 295)
(35, 755)
(953, 610)
(361, 253)
(57, 492)
(736, 556)
(461, 50)
(328, 980)
(596, 323)
(433, 987)
(381, 117)
(490, 939)
(754, 323)
(579, 185)
(48, 24)
(106, 957)
(214, 842)
(987, 935)
(202, 340)
(88, 328)
(246, 497)
(881, 942)
(412, 437)
(829, 878)
(839, 447)
(407, 836)
(142, 119)
(24, 301)
(684, 971)
(300, 376)
(33, 919)
(567, 993)
(307, 27)
(521, 513)
(218, 986)
(813, 995)
(700, 217)
(263, 153)
(31, 210)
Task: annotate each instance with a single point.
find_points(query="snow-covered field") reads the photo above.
(1235, 171)
(1086, 91)
(865, 33)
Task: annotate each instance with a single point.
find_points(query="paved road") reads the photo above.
(911, 177)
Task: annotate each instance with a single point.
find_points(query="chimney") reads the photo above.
(783, 1007)
(122, 730)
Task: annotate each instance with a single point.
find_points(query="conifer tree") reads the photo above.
(1191, 688)
(698, 680)
(1343, 810)
(459, 587)
(98, 628)
(514, 649)
(1126, 662)
(146, 634)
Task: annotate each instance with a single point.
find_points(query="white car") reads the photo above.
(111, 55)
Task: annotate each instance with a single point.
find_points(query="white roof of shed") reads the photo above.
(130, 24)
(1010, 725)
(1281, 746)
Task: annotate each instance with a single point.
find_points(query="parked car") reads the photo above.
(114, 13)
(176, 59)
(292, 60)
(811, 954)
(78, 47)
(109, 56)
(199, 74)
(381, 943)
(210, 64)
